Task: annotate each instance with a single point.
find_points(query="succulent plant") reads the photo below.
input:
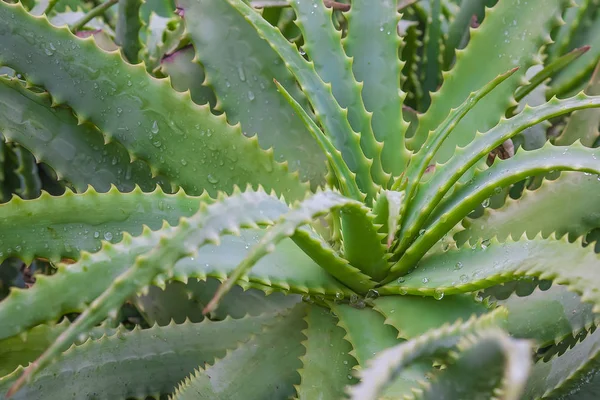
(307, 199)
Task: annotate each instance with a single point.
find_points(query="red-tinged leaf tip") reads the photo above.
(583, 49)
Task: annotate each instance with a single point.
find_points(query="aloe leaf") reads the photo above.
(387, 213)
(565, 315)
(21, 349)
(288, 224)
(529, 213)
(323, 45)
(186, 74)
(412, 316)
(431, 192)
(75, 152)
(566, 32)
(459, 27)
(30, 185)
(410, 77)
(435, 139)
(70, 285)
(583, 124)
(373, 44)
(139, 363)
(432, 53)
(60, 227)
(128, 29)
(576, 71)
(178, 301)
(346, 179)
(492, 50)
(241, 70)
(548, 71)
(276, 350)
(128, 106)
(332, 117)
(365, 331)
(472, 268)
(242, 210)
(487, 364)
(389, 365)
(327, 364)
(572, 375)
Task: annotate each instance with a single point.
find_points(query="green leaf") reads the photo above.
(288, 224)
(332, 117)
(76, 152)
(489, 364)
(236, 376)
(24, 348)
(431, 74)
(327, 364)
(58, 227)
(472, 268)
(346, 179)
(241, 70)
(30, 185)
(572, 375)
(419, 163)
(128, 29)
(139, 363)
(137, 110)
(373, 44)
(387, 213)
(583, 124)
(412, 316)
(178, 301)
(389, 365)
(482, 186)
(529, 213)
(548, 71)
(323, 45)
(579, 69)
(186, 74)
(365, 330)
(564, 315)
(510, 35)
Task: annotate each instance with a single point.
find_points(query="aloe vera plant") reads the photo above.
(311, 199)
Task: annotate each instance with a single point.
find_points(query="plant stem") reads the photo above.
(94, 12)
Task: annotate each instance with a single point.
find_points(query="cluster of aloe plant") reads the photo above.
(228, 199)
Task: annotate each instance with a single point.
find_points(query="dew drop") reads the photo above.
(108, 236)
(154, 128)
(438, 294)
(486, 203)
(96, 234)
(425, 280)
(212, 179)
(458, 266)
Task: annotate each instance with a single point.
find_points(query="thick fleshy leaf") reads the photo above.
(288, 224)
(327, 364)
(489, 364)
(413, 315)
(139, 363)
(373, 44)
(493, 49)
(430, 193)
(154, 122)
(76, 152)
(241, 70)
(572, 375)
(390, 364)
(471, 268)
(529, 213)
(332, 117)
(128, 29)
(485, 183)
(322, 44)
(264, 367)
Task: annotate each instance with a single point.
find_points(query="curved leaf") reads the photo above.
(138, 111)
